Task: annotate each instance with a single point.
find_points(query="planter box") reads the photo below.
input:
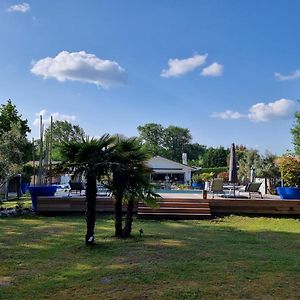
(40, 190)
(197, 185)
(288, 192)
(24, 187)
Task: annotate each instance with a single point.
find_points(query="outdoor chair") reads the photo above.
(253, 187)
(217, 186)
(76, 186)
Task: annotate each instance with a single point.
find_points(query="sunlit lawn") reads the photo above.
(24, 201)
(229, 258)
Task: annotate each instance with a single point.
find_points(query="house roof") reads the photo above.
(174, 163)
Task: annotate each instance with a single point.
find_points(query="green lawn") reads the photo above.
(229, 258)
(25, 201)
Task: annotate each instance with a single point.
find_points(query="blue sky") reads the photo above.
(227, 70)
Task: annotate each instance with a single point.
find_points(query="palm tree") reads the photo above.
(130, 180)
(89, 157)
(138, 189)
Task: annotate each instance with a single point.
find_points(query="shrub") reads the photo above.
(214, 170)
(197, 178)
(289, 166)
(224, 175)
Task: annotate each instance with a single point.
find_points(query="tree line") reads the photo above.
(122, 161)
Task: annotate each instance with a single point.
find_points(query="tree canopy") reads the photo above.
(8, 116)
(63, 132)
(14, 147)
(296, 133)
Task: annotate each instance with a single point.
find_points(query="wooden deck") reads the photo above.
(255, 206)
(178, 206)
(73, 204)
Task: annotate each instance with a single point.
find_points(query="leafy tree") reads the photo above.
(267, 168)
(296, 133)
(8, 116)
(246, 160)
(11, 156)
(169, 142)
(130, 181)
(14, 147)
(215, 157)
(63, 131)
(89, 157)
(289, 166)
(151, 135)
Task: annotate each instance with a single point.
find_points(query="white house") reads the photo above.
(164, 169)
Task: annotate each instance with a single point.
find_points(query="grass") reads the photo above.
(229, 258)
(25, 201)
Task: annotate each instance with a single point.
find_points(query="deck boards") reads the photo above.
(181, 207)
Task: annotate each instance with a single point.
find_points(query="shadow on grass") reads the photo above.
(232, 255)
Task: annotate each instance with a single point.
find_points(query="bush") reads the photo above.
(197, 178)
(214, 170)
(289, 167)
(224, 175)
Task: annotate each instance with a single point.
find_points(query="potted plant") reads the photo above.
(197, 181)
(206, 178)
(289, 166)
(27, 172)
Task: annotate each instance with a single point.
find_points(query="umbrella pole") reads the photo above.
(234, 190)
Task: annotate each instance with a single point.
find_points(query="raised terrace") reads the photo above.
(185, 206)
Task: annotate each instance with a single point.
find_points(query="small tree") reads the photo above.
(89, 157)
(289, 166)
(130, 181)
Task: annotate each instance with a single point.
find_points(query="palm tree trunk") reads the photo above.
(90, 215)
(118, 215)
(128, 219)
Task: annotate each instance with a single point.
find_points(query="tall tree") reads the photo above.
(63, 131)
(14, 147)
(89, 157)
(10, 118)
(175, 142)
(9, 115)
(296, 133)
(169, 142)
(11, 156)
(151, 135)
(215, 157)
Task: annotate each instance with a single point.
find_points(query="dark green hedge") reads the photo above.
(216, 171)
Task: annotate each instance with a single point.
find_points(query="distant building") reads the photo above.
(164, 169)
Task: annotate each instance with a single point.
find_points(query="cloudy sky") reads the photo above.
(227, 70)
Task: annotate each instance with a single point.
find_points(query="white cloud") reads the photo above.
(293, 75)
(280, 109)
(22, 7)
(81, 66)
(215, 69)
(178, 67)
(261, 112)
(47, 117)
(227, 115)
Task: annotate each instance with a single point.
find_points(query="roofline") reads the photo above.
(186, 166)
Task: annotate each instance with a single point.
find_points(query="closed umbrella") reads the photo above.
(252, 174)
(233, 168)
